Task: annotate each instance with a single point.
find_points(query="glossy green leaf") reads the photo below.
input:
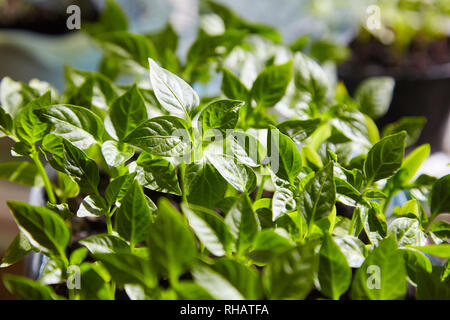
(241, 177)
(21, 172)
(310, 78)
(334, 272)
(104, 243)
(77, 124)
(210, 228)
(28, 127)
(290, 274)
(406, 231)
(172, 244)
(220, 115)
(27, 289)
(127, 268)
(16, 251)
(43, 228)
(233, 88)
(440, 196)
(385, 157)
(163, 136)
(285, 159)
(243, 223)
(438, 250)
(127, 112)
(133, 217)
(374, 95)
(158, 175)
(174, 94)
(204, 186)
(270, 85)
(80, 168)
(382, 275)
(318, 196)
(412, 125)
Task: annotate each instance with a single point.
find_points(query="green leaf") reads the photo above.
(243, 223)
(132, 48)
(299, 130)
(16, 251)
(162, 136)
(244, 279)
(80, 168)
(282, 202)
(127, 112)
(317, 198)
(117, 188)
(246, 148)
(204, 186)
(128, 268)
(28, 127)
(412, 163)
(382, 276)
(374, 95)
(311, 158)
(62, 209)
(27, 289)
(174, 94)
(77, 124)
(269, 243)
(112, 18)
(309, 77)
(431, 287)
(353, 249)
(104, 243)
(15, 95)
(215, 284)
(21, 172)
(414, 260)
(440, 196)
(133, 217)
(43, 228)
(158, 175)
(406, 231)
(334, 272)
(438, 250)
(93, 284)
(285, 159)
(240, 176)
(441, 229)
(6, 122)
(385, 157)
(188, 290)
(290, 274)
(210, 228)
(220, 115)
(374, 223)
(92, 206)
(233, 88)
(412, 125)
(270, 85)
(114, 157)
(412, 209)
(172, 244)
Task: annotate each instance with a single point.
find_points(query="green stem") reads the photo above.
(44, 176)
(261, 188)
(108, 223)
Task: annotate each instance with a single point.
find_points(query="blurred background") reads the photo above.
(406, 39)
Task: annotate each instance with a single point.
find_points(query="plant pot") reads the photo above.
(421, 88)
(35, 261)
